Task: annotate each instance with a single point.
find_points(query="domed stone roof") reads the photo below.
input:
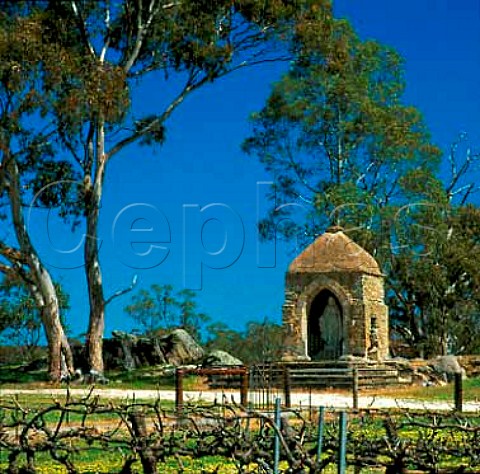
(334, 252)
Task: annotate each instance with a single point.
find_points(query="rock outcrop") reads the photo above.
(220, 358)
(180, 348)
(447, 367)
(129, 351)
(436, 371)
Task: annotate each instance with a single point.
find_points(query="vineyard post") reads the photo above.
(342, 449)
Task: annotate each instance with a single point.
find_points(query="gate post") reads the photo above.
(287, 387)
(244, 388)
(458, 392)
(179, 389)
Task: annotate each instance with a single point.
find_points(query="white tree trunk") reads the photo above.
(41, 284)
(96, 323)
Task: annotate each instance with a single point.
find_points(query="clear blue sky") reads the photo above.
(201, 163)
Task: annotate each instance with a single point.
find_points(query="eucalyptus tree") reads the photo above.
(434, 279)
(259, 342)
(337, 138)
(161, 308)
(27, 163)
(106, 47)
(21, 322)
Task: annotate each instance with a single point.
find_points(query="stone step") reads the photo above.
(317, 374)
(320, 374)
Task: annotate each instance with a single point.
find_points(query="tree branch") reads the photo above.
(190, 86)
(6, 269)
(122, 292)
(83, 29)
(11, 254)
(160, 119)
(142, 30)
(106, 41)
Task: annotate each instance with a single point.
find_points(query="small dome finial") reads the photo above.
(333, 229)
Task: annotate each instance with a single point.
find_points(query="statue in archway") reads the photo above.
(331, 330)
(373, 349)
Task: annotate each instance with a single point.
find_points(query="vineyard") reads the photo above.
(89, 435)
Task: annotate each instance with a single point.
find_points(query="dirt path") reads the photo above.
(333, 400)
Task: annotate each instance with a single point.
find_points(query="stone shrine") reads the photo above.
(334, 303)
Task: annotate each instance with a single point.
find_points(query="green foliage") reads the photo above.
(435, 298)
(156, 133)
(21, 319)
(335, 134)
(42, 174)
(20, 323)
(259, 342)
(93, 54)
(161, 308)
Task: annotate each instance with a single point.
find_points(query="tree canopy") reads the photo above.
(20, 317)
(336, 136)
(161, 308)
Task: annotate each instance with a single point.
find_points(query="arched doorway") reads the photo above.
(325, 327)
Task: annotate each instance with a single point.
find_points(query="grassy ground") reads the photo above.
(14, 376)
(471, 391)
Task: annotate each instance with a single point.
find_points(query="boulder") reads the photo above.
(130, 351)
(447, 367)
(179, 348)
(220, 358)
(427, 376)
(148, 352)
(118, 351)
(471, 364)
